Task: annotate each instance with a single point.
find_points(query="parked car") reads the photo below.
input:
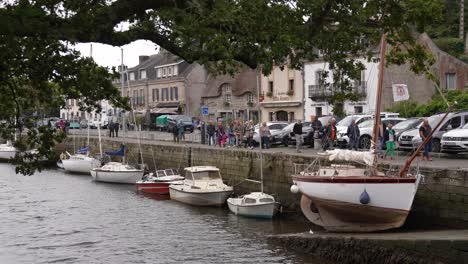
(406, 125)
(455, 141)
(275, 129)
(367, 129)
(84, 123)
(173, 120)
(342, 127)
(307, 135)
(94, 124)
(410, 140)
(74, 124)
(161, 122)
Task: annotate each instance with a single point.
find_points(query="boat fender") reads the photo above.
(294, 188)
(364, 198)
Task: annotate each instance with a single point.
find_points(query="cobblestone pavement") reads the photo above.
(441, 161)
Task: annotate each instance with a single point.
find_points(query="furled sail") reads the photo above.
(350, 155)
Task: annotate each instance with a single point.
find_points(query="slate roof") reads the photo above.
(243, 82)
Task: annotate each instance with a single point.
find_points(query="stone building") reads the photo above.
(164, 84)
(232, 97)
(451, 72)
(282, 95)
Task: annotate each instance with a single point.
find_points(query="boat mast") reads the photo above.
(259, 126)
(134, 120)
(87, 125)
(99, 135)
(375, 138)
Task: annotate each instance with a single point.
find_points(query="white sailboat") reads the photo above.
(80, 161)
(255, 204)
(345, 198)
(202, 186)
(118, 172)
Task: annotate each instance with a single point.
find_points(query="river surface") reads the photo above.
(54, 217)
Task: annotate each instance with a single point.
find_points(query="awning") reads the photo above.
(164, 110)
(281, 104)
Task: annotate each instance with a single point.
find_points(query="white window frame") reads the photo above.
(164, 73)
(447, 84)
(158, 73)
(131, 76)
(142, 72)
(169, 71)
(175, 72)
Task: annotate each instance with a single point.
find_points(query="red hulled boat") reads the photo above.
(158, 183)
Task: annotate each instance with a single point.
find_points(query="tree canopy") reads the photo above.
(39, 69)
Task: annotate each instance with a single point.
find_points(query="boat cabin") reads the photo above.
(257, 198)
(166, 172)
(203, 176)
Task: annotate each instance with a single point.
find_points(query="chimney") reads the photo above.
(142, 59)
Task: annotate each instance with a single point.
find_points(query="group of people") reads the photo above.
(114, 129)
(178, 131)
(232, 135)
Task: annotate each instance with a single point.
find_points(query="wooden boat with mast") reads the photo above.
(346, 198)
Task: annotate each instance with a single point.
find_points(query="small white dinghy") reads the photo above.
(81, 162)
(255, 204)
(7, 151)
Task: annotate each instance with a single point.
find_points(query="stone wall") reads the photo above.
(442, 200)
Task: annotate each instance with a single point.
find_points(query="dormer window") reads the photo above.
(169, 71)
(131, 76)
(143, 74)
(158, 73)
(164, 72)
(176, 68)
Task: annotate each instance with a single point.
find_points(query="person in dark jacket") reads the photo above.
(297, 130)
(210, 130)
(353, 134)
(175, 133)
(316, 128)
(330, 134)
(424, 132)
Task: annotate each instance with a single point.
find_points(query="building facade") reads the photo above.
(232, 97)
(164, 84)
(282, 95)
(316, 92)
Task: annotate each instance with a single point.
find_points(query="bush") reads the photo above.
(458, 99)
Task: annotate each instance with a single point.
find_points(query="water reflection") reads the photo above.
(63, 218)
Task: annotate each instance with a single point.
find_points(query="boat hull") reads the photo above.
(7, 155)
(208, 198)
(334, 202)
(153, 187)
(83, 166)
(127, 177)
(266, 210)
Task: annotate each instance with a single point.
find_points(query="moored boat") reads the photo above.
(158, 183)
(117, 172)
(80, 162)
(255, 204)
(202, 186)
(7, 151)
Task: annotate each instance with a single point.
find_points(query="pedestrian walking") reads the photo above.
(353, 134)
(211, 130)
(265, 135)
(231, 135)
(330, 133)
(424, 132)
(181, 129)
(389, 139)
(220, 134)
(67, 126)
(175, 134)
(111, 129)
(116, 129)
(297, 130)
(238, 132)
(316, 128)
(249, 130)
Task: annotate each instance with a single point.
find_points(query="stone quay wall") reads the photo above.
(441, 200)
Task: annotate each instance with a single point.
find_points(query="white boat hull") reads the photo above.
(80, 164)
(115, 172)
(6, 155)
(266, 210)
(207, 198)
(334, 202)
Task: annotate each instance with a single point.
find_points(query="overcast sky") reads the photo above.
(109, 56)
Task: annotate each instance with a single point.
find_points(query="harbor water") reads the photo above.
(55, 217)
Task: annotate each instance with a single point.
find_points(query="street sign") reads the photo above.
(205, 110)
